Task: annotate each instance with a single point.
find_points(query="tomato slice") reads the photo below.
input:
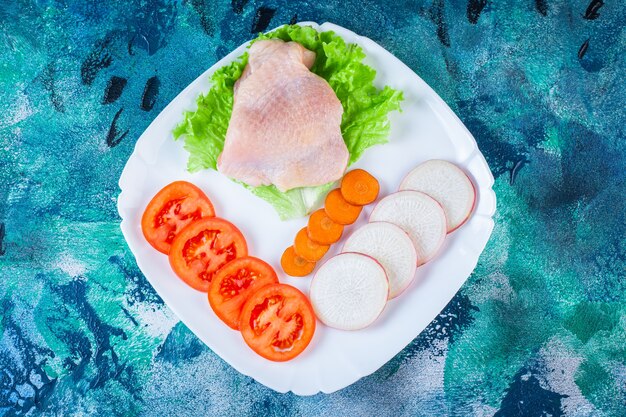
(170, 210)
(203, 247)
(233, 284)
(277, 322)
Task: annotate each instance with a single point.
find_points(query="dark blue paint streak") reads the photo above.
(150, 93)
(14, 375)
(591, 13)
(203, 9)
(526, 398)
(515, 170)
(439, 18)
(141, 291)
(81, 351)
(151, 23)
(2, 234)
(474, 9)
(48, 80)
(583, 49)
(262, 19)
(238, 5)
(99, 58)
(542, 7)
(180, 345)
(113, 139)
(114, 89)
(106, 360)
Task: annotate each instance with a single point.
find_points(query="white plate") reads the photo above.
(425, 129)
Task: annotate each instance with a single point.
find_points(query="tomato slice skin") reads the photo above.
(233, 284)
(170, 210)
(277, 322)
(203, 247)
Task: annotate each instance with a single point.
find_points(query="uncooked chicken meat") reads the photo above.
(285, 125)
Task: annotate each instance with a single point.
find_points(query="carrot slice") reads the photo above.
(308, 249)
(322, 229)
(339, 210)
(359, 187)
(294, 264)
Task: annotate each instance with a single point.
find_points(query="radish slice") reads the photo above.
(419, 215)
(446, 183)
(349, 291)
(390, 246)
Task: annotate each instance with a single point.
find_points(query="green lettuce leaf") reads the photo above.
(364, 124)
(293, 203)
(204, 130)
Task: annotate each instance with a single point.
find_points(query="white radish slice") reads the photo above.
(391, 247)
(349, 291)
(446, 183)
(419, 215)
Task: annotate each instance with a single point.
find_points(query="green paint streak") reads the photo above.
(527, 292)
(591, 378)
(602, 329)
(90, 245)
(598, 386)
(508, 329)
(553, 141)
(54, 321)
(590, 318)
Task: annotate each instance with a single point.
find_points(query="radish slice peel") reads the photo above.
(419, 215)
(446, 183)
(349, 291)
(391, 247)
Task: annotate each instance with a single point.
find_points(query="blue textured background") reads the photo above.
(539, 328)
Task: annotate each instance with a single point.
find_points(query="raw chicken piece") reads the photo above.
(285, 125)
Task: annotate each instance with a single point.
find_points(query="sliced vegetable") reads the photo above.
(170, 210)
(308, 249)
(349, 291)
(322, 229)
(277, 322)
(326, 225)
(339, 210)
(391, 247)
(233, 284)
(446, 183)
(419, 215)
(202, 248)
(294, 264)
(359, 187)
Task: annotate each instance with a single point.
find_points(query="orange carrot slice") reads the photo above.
(294, 264)
(339, 210)
(322, 229)
(359, 187)
(308, 249)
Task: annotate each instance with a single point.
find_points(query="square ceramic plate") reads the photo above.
(425, 129)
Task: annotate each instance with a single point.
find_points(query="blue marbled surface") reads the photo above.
(538, 329)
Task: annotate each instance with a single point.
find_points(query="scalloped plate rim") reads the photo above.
(140, 160)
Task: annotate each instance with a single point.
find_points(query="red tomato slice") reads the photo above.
(233, 284)
(170, 210)
(203, 247)
(277, 322)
